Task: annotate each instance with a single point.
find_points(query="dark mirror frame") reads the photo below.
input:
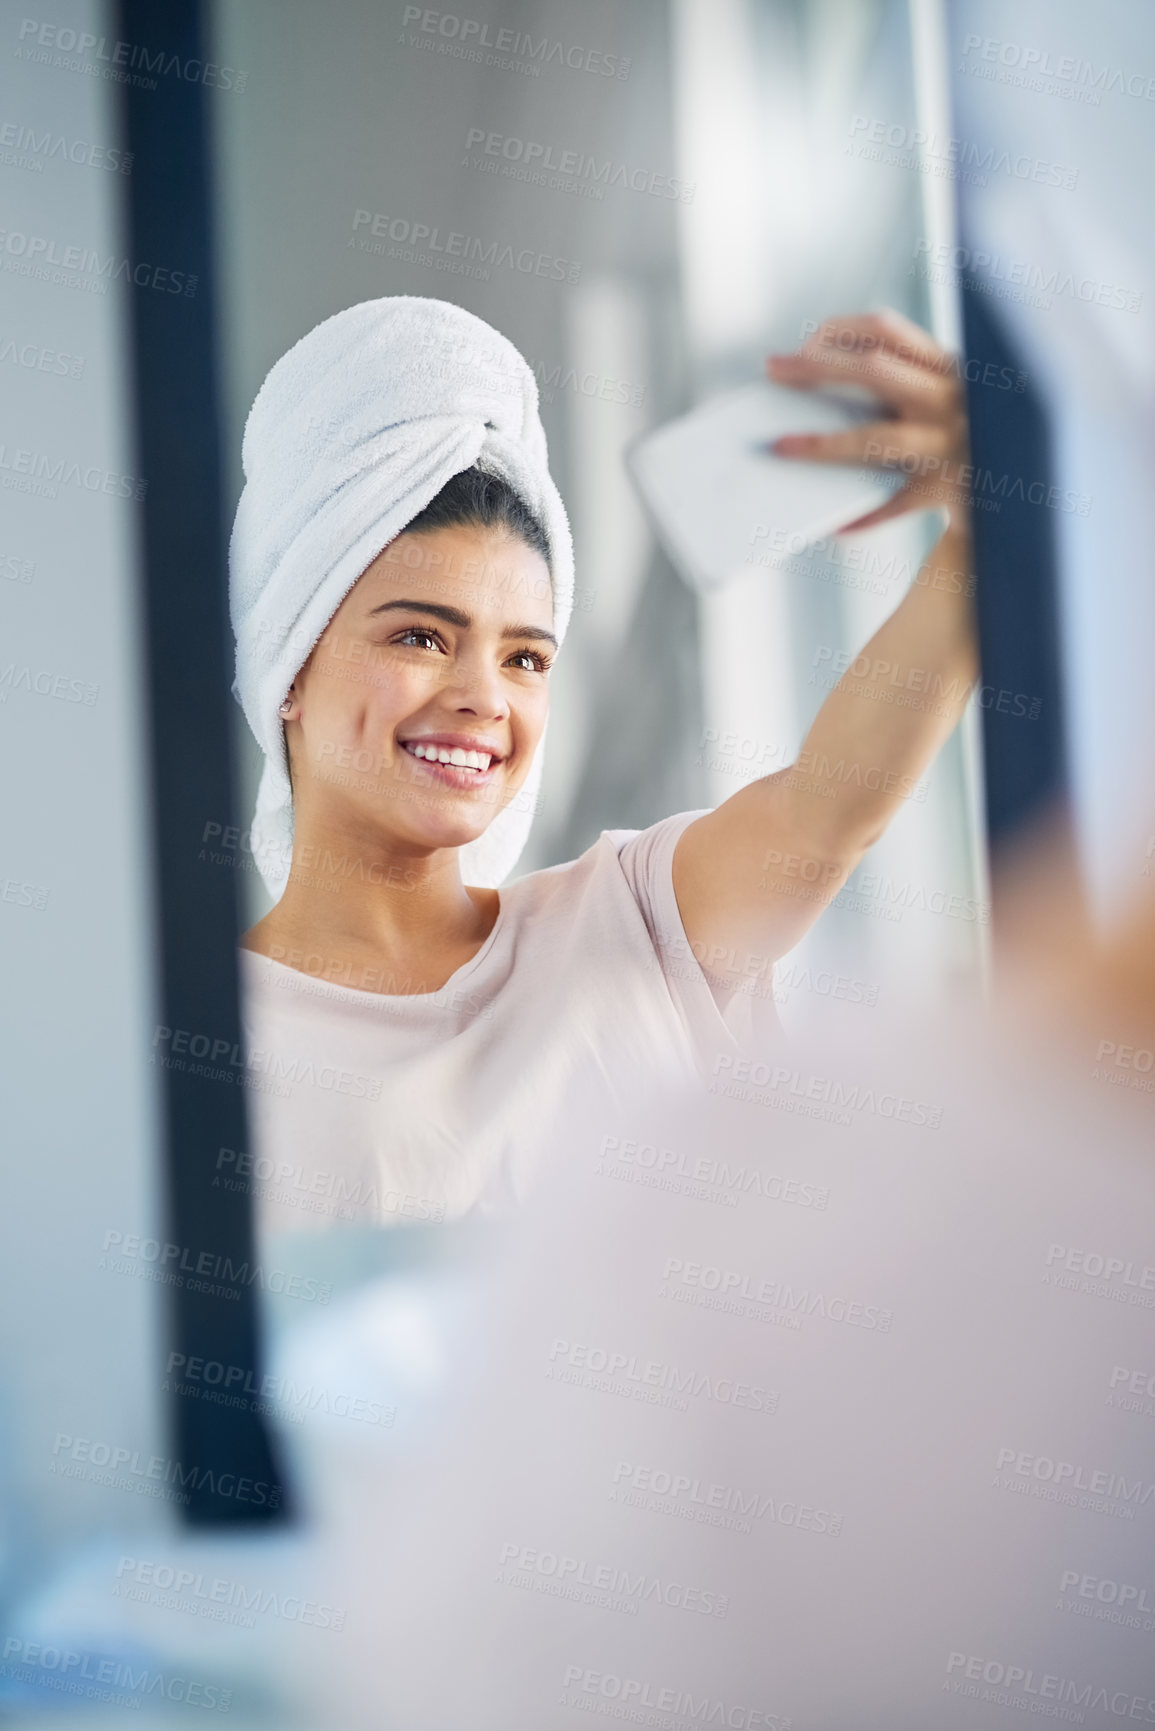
(215, 1296)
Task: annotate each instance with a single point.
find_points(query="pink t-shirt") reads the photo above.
(393, 1105)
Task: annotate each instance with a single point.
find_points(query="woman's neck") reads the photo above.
(374, 917)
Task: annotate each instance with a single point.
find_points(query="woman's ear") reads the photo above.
(290, 710)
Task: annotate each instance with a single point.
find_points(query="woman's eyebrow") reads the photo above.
(455, 616)
(451, 615)
(534, 632)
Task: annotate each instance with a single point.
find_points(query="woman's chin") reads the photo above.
(446, 820)
(439, 820)
(449, 833)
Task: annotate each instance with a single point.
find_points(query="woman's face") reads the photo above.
(416, 717)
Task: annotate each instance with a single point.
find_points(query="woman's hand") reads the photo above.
(878, 729)
(924, 429)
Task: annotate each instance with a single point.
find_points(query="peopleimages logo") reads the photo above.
(733, 1283)
(829, 1090)
(1022, 1686)
(34, 357)
(878, 893)
(514, 50)
(613, 1372)
(220, 1598)
(41, 474)
(151, 1474)
(221, 1059)
(663, 1492)
(538, 161)
(718, 1176)
(24, 895)
(1140, 1387)
(1113, 1272)
(100, 1677)
(1033, 66)
(962, 153)
(418, 242)
(44, 683)
(1057, 1480)
(977, 267)
(1104, 1592)
(299, 1185)
(36, 148)
(563, 1573)
(202, 1271)
(586, 1689)
(42, 257)
(238, 1385)
(126, 62)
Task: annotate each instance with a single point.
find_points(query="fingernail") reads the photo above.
(792, 444)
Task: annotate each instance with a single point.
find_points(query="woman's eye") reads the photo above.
(530, 660)
(419, 636)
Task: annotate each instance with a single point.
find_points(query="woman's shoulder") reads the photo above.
(635, 863)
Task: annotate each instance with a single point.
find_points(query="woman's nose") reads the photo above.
(476, 687)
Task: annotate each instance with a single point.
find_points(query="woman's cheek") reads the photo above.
(530, 725)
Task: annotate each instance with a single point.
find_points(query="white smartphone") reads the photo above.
(722, 503)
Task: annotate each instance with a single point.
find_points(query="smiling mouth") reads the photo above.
(460, 765)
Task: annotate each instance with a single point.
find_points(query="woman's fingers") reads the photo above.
(884, 352)
(908, 445)
(903, 386)
(925, 437)
(887, 330)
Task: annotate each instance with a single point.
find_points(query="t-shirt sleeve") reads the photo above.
(716, 1019)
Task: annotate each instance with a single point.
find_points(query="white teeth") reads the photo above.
(458, 757)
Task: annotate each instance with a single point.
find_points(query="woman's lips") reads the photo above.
(461, 776)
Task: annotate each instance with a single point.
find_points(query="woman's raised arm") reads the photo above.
(752, 876)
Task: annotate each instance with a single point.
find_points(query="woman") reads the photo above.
(402, 577)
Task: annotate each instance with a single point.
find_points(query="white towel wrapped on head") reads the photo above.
(352, 434)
